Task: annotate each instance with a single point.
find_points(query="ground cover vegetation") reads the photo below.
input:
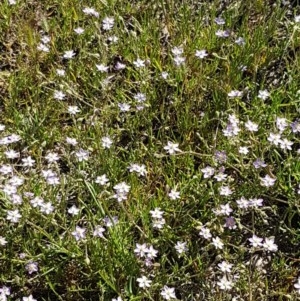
(149, 150)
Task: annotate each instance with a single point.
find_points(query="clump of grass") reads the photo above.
(149, 150)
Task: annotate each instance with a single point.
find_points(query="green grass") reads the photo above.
(190, 107)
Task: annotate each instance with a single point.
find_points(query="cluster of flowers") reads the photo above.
(80, 232)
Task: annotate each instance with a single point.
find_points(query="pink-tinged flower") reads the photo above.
(32, 267)
(79, 233)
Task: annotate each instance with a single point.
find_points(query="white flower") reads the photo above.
(16, 181)
(102, 68)
(37, 202)
(73, 110)
(164, 75)
(267, 181)
(255, 202)
(151, 252)
(108, 23)
(263, 94)
(124, 107)
(139, 169)
(59, 95)
(60, 72)
(219, 21)
(208, 172)
(243, 150)
(73, 210)
(13, 215)
(82, 155)
(251, 126)
(222, 33)
(225, 190)
(144, 282)
(281, 123)
(140, 97)
(3, 241)
(285, 144)
(47, 208)
(205, 232)
(43, 47)
(177, 51)
(225, 284)
(217, 242)
(139, 63)
(225, 267)
(179, 60)
(29, 298)
(269, 245)
(6, 169)
(120, 66)
(11, 154)
(12, 2)
(45, 39)
(259, 163)
(113, 39)
(90, 11)
(102, 180)
(158, 223)
(220, 176)
(274, 138)
(118, 299)
(122, 187)
(9, 189)
(201, 54)
(79, 30)
(255, 241)
(297, 19)
(141, 250)
(28, 162)
(168, 293)
(31, 267)
(181, 247)
(297, 284)
(79, 233)
(52, 157)
(225, 209)
(240, 41)
(235, 93)
(156, 213)
(174, 195)
(106, 142)
(71, 141)
(99, 231)
(172, 148)
(69, 54)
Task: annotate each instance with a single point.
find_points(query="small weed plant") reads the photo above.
(149, 150)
